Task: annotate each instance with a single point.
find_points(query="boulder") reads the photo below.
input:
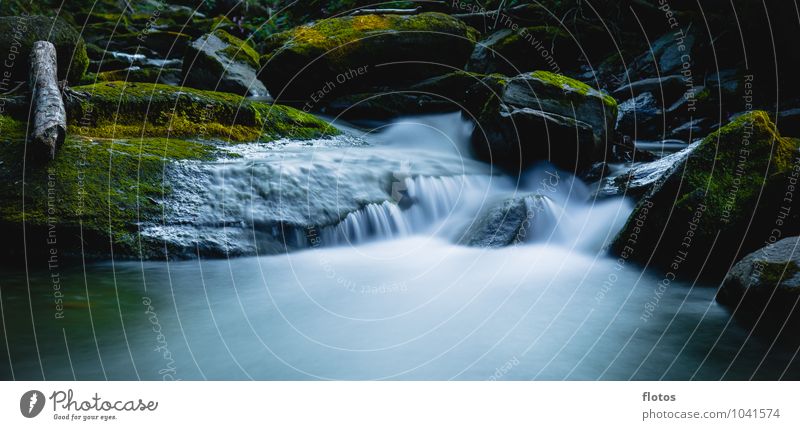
(640, 117)
(127, 109)
(638, 180)
(342, 55)
(669, 52)
(691, 130)
(544, 116)
(666, 89)
(221, 62)
(95, 193)
(18, 33)
(506, 223)
(766, 282)
(529, 48)
(445, 93)
(165, 76)
(723, 200)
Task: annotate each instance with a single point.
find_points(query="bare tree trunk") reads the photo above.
(49, 117)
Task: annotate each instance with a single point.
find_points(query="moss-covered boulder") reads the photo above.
(18, 33)
(766, 283)
(337, 55)
(726, 199)
(530, 48)
(151, 75)
(221, 62)
(120, 109)
(542, 116)
(446, 93)
(89, 200)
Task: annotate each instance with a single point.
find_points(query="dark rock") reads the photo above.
(504, 224)
(515, 138)
(640, 117)
(343, 55)
(789, 122)
(668, 58)
(666, 89)
(766, 283)
(434, 95)
(718, 203)
(221, 62)
(544, 116)
(529, 48)
(639, 180)
(20, 32)
(691, 130)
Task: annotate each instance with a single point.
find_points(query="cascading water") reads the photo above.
(409, 260)
(411, 177)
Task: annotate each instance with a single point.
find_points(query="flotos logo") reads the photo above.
(31, 403)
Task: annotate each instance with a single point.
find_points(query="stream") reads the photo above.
(357, 258)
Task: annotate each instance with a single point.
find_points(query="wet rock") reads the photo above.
(506, 223)
(766, 283)
(530, 48)
(638, 180)
(640, 117)
(221, 62)
(341, 55)
(128, 109)
(665, 89)
(544, 116)
(691, 130)
(451, 92)
(717, 204)
(137, 74)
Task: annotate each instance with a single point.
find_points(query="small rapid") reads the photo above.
(385, 253)
(411, 177)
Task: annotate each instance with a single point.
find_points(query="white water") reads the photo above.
(382, 286)
(412, 177)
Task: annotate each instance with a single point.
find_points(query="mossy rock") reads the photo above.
(137, 74)
(446, 93)
(90, 197)
(222, 62)
(765, 284)
(530, 48)
(18, 33)
(120, 109)
(724, 201)
(541, 116)
(324, 54)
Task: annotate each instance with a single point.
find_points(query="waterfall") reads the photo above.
(417, 206)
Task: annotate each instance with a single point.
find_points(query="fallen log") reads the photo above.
(49, 121)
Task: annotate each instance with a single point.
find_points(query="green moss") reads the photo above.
(146, 75)
(342, 35)
(103, 186)
(773, 274)
(238, 50)
(23, 31)
(569, 84)
(723, 202)
(120, 109)
(11, 128)
(737, 177)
